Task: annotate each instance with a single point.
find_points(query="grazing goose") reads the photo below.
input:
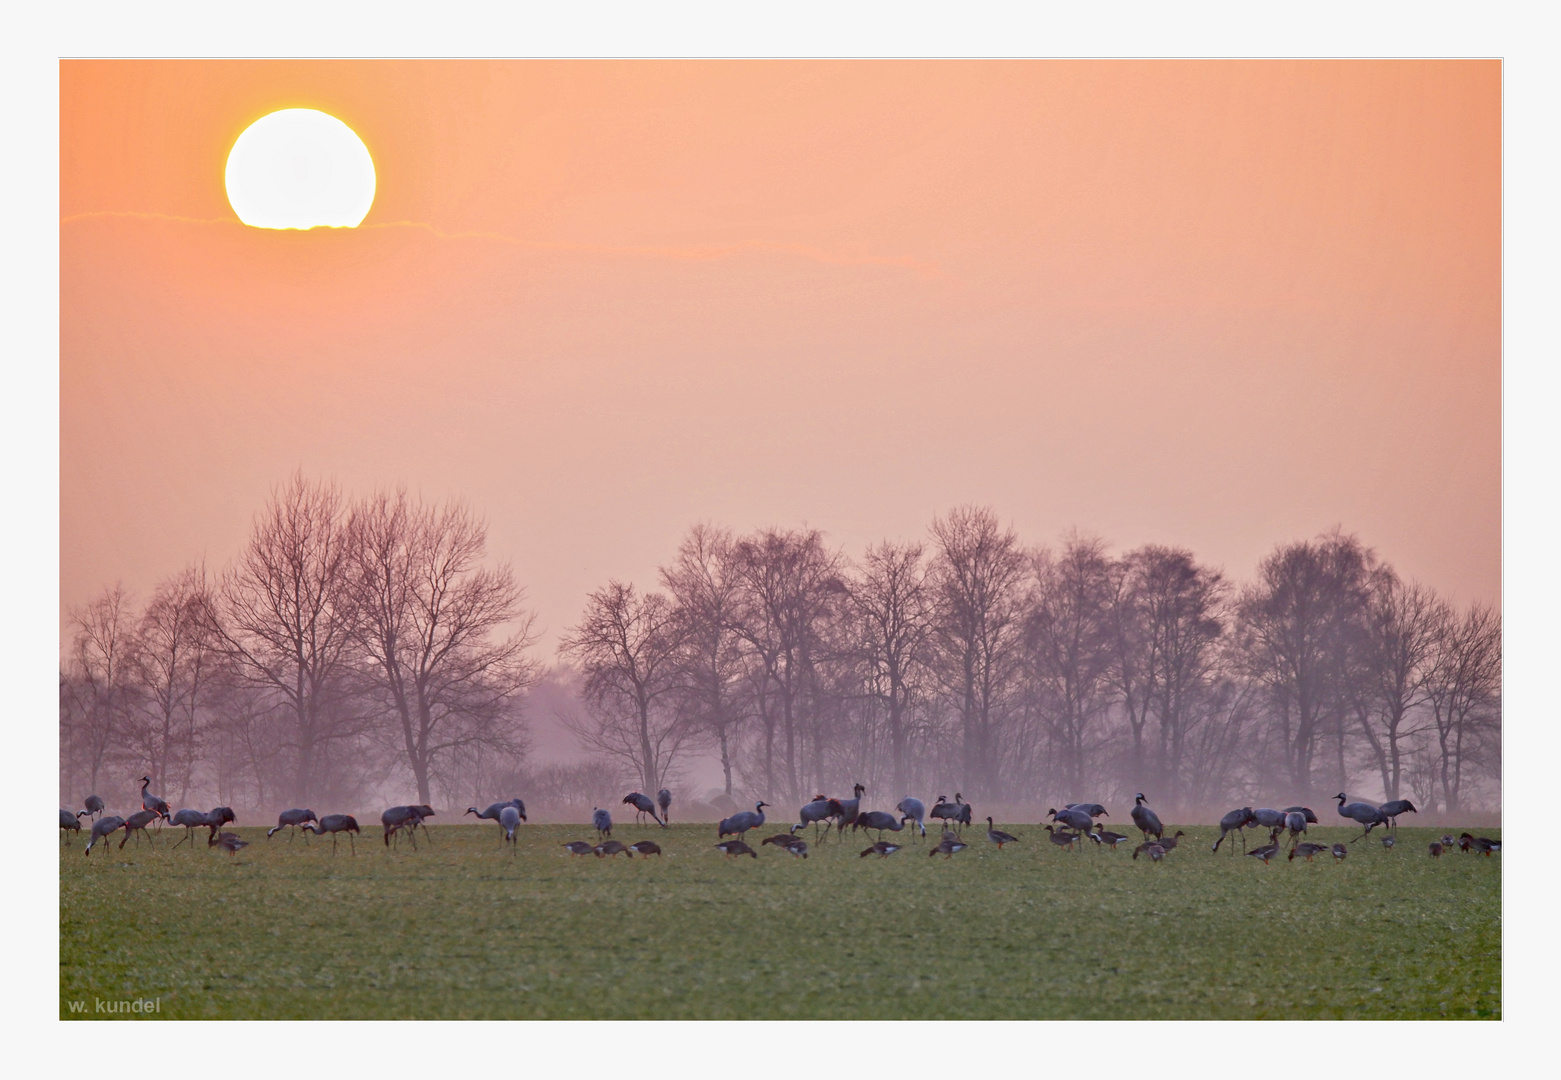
(335, 825)
(646, 847)
(883, 849)
(1147, 820)
(736, 847)
(1387, 843)
(1465, 842)
(290, 820)
(948, 848)
(998, 836)
(1169, 842)
(102, 828)
(780, 839)
(580, 847)
(798, 848)
(1153, 848)
(1110, 839)
(1061, 837)
(1236, 822)
(137, 823)
(1306, 851)
(642, 806)
(1266, 852)
(229, 842)
(1484, 845)
(1339, 851)
(1436, 850)
(613, 847)
(1447, 841)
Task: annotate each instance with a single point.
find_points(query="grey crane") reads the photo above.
(1311, 818)
(152, 802)
(1077, 820)
(998, 836)
(646, 847)
(1362, 813)
(420, 815)
(613, 847)
(948, 848)
(943, 810)
(1393, 808)
(102, 829)
(1147, 820)
(509, 821)
(664, 800)
(1270, 819)
(397, 818)
(69, 822)
(1306, 851)
(601, 821)
(94, 805)
(914, 810)
(229, 842)
(642, 805)
(849, 808)
(580, 847)
(821, 808)
(740, 823)
(137, 823)
(1295, 821)
(491, 813)
(190, 820)
(1235, 822)
(736, 847)
(1266, 852)
(335, 825)
(878, 820)
(883, 849)
(219, 816)
(1093, 809)
(290, 820)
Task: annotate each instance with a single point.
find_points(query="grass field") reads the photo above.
(461, 928)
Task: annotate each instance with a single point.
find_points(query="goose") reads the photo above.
(1110, 839)
(1436, 850)
(1447, 841)
(1339, 851)
(1153, 848)
(335, 825)
(229, 842)
(883, 849)
(613, 847)
(998, 836)
(1266, 852)
(646, 847)
(1482, 844)
(1169, 842)
(1236, 822)
(1147, 820)
(579, 847)
(1061, 838)
(798, 848)
(290, 820)
(102, 828)
(787, 841)
(1387, 843)
(736, 847)
(1306, 851)
(948, 848)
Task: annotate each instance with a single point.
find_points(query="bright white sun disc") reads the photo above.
(299, 169)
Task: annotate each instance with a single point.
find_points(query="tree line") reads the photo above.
(358, 643)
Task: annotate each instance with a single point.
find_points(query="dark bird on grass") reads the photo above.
(1436, 850)
(1339, 851)
(740, 823)
(1061, 837)
(849, 808)
(509, 821)
(335, 825)
(1153, 848)
(664, 800)
(642, 805)
(580, 847)
(1311, 818)
(1306, 851)
(290, 820)
(190, 820)
(948, 848)
(943, 810)
(646, 847)
(1362, 813)
(137, 823)
(1387, 843)
(1295, 821)
(1270, 819)
(601, 821)
(420, 815)
(94, 805)
(218, 816)
(797, 849)
(70, 822)
(883, 849)
(879, 821)
(1110, 839)
(1484, 845)
(152, 802)
(491, 813)
(1093, 809)
(821, 808)
(1466, 842)
(736, 847)
(1169, 842)
(102, 829)
(998, 836)
(1394, 807)
(788, 841)
(1266, 852)
(1077, 820)
(1236, 822)
(1147, 820)
(613, 847)
(1448, 841)
(394, 819)
(229, 842)
(914, 810)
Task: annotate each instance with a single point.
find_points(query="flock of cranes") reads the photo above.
(1069, 827)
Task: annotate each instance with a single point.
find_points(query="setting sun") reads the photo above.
(299, 169)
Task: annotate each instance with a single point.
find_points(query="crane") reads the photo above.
(137, 822)
(1393, 808)
(1235, 822)
(509, 821)
(879, 820)
(335, 825)
(290, 820)
(1147, 820)
(102, 829)
(821, 808)
(643, 805)
(914, 810)
(664, 800)
(1362, 813)
(738, 824)
(94, 805)
(601, 821)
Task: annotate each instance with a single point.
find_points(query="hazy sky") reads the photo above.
(1216, 304)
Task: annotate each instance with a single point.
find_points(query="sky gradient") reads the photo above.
(1217, 304)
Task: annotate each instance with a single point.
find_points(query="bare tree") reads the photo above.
(102, 667)
(286, 621)
(428, 616)
(1400, 637)
(1463, 689)
(978, 578)
(173, 663)
(627, 647)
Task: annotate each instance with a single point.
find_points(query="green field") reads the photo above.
(462, 928)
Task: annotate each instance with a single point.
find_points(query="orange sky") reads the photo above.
(1217, 304)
